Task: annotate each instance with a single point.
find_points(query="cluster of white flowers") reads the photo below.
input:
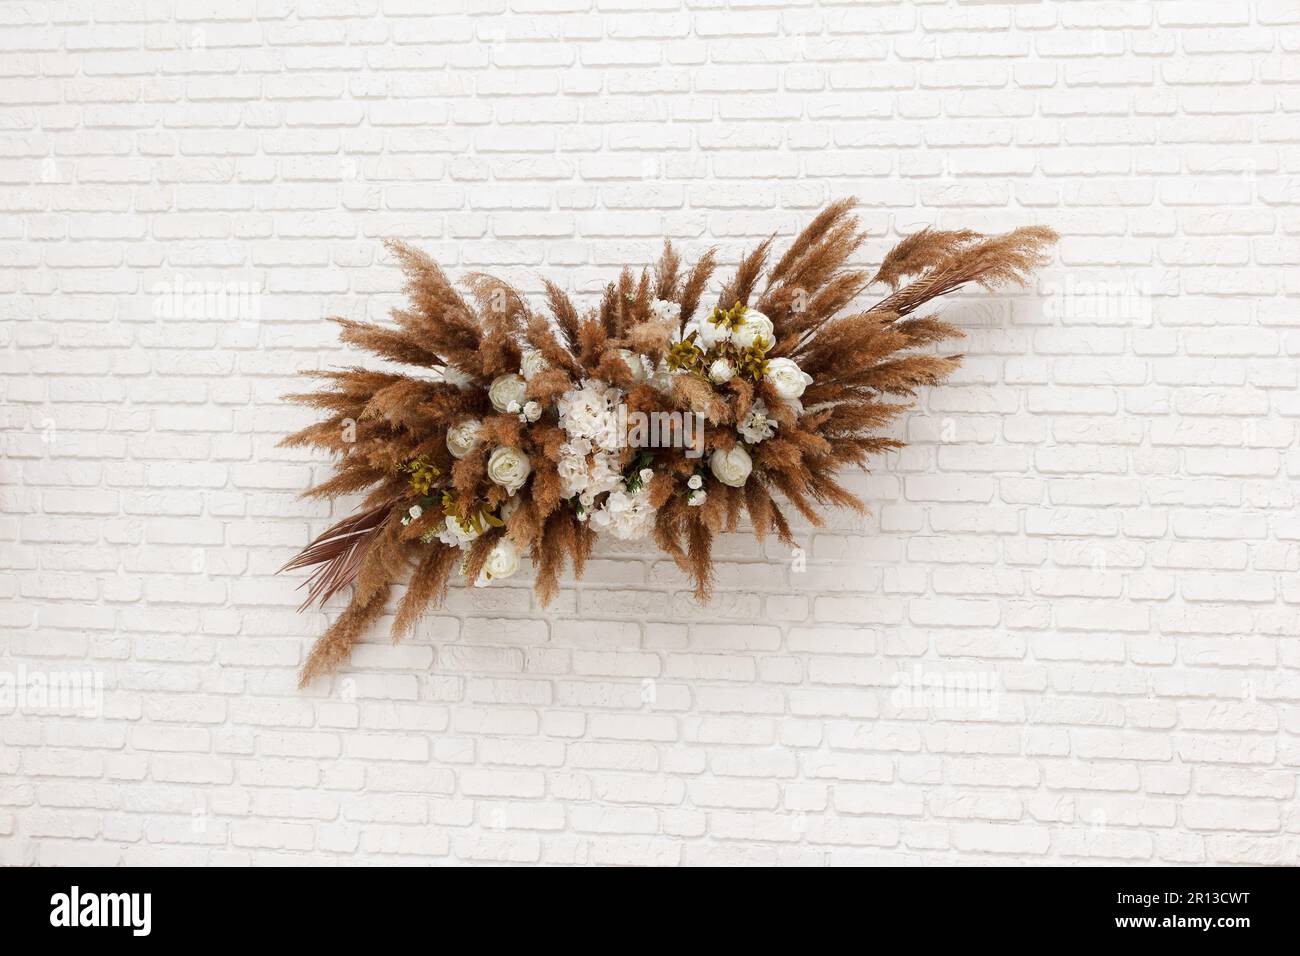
(588, 462)
(755, 330)
(588, 465)
(696, 495)
(502, 561)
(627, 515)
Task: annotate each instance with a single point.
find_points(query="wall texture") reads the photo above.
(1066, 634)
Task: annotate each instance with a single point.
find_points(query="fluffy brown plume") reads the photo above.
(389, 430)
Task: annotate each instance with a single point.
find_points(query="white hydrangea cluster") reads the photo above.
(627, 515)
(589, 462)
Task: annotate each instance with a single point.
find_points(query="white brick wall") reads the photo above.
(1092, 536)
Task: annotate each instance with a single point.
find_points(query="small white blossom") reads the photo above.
(695, 481)
(721, 371)
(696, 498)
(757, 426)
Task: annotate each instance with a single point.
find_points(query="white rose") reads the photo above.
(696, 498)
(708, 334)
(532, 363)
(502, 561)
(754, 326)
(664, 310)
(462, 438)
(415, 512)
(506, 389)
(731, 467)
(509, 468)
(694, 482)
(532, 411)
(647, 475)
(635, 364)
(721, 371)
(788, 380)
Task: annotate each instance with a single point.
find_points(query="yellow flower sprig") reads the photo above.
(423, 474)
(751, 363)
(685, 356)
(731, 319)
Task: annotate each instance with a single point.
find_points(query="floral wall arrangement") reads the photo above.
(666, 414)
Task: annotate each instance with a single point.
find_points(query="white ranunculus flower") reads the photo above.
(663, 310)
(731, 467)
(754, 326)
(694, 482)
(502, 561)
(532, 363)
(506, 389)
(532, 411)
(509, 468)
(721, 371)
(788, 380)
(462, 438)
(636, 364)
